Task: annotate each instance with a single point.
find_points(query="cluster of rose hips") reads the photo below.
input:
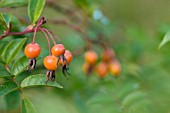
(108, 63)
(58, 57)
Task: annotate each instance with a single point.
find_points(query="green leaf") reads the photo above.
(141, 106)
(14, 20)
(27, 106)
(4, 72)
(5, 3)
(20, 65)
(101, 98)
(2, 46)
(38, 80)
(13, 100)
(133, 97)
(35, 8)
(4, 21)
(12, 49)
(126, 89)
(7, 19)
(165, 39)
(8, 87)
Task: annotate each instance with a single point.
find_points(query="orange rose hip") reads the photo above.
(32, 50)
(50, 62)
(91, 57)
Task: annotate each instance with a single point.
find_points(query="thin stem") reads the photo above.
(22, 96)
(55, 36)
(33, 40)
(7, 68)
(47, 39)
(18, 33)
(49, 35)
(39, 23)
(35, 31)
(21, 33)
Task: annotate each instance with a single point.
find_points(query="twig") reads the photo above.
(33, 29)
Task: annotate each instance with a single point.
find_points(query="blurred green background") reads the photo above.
(134, 29)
